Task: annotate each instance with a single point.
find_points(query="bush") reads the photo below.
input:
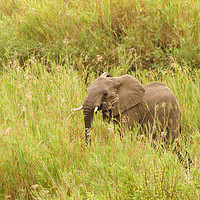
(139, 34)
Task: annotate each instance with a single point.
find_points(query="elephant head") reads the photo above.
(113, 95)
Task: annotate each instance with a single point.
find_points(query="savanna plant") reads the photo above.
(42, 144)
(98, 33)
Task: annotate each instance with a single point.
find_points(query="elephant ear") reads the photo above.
(105, 74)
(130, 92)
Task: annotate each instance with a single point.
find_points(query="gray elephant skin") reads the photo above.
(151, 107)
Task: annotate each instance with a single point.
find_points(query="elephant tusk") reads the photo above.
(96, 108)
(77, 109)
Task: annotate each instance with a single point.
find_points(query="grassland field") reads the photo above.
(98, 33)
(43, 153)
(50, 52)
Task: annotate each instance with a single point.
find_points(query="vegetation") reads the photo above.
(50, 51)
(43, 153)
(98, 33)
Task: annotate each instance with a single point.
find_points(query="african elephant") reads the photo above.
(152, 107)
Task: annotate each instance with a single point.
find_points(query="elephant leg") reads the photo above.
(182, 153)
(173, 126)
(126, 121)
(118, 126)
(106, 115)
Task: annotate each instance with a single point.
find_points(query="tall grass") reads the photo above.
(102, 33)
(42, 148)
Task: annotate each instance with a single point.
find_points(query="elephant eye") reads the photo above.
(105, 94)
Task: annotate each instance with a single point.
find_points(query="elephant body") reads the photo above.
(151, 108)
(156, 113)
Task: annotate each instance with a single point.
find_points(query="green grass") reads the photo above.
(95, 34)
(50, 51)
(42, 148)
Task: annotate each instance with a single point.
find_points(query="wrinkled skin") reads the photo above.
(151, 107)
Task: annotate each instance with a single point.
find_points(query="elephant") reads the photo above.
(124, 100)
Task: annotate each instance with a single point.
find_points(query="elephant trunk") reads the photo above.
(88, 111)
